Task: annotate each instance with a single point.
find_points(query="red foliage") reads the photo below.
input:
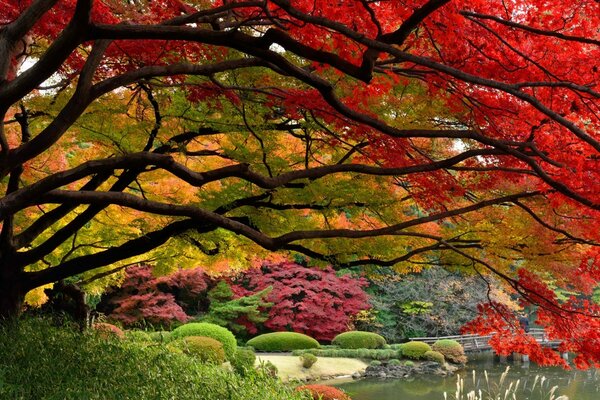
(144, 298)
(312, 301)
(323, 392)
(107, 331)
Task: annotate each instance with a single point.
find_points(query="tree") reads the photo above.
(229, 129)
(312, 301)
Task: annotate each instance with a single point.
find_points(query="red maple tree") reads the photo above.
(312, 301)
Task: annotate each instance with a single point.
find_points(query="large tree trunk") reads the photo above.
(12, 294)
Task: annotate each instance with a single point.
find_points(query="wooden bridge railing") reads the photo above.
(474, 343)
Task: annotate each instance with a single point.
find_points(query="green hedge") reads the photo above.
(205, 349)
(415, 350)
(373, 354)
(138, 336)
(216, 332)
(434, 356)
(359, 340)
(243, 361)
(282, 341)
(452, 350)
(43, 362)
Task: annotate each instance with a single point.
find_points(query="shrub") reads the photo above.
(216, 332)
(312, 301)
(160, 336)
(452, 350)
(409, 363)
(41, 361)
(415, 350)
(359, 340)
(282, 341)
(322, 392)
(434, 356)
(375, 363)
(394, 361)
(308, 360)
(268, 368)
(244, 360)
(397, 346)
(203, 348)
(108, 331)
(138, 336)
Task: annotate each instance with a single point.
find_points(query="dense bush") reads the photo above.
(312, 301)
(282, 341)
(203, 348)
(359, 340)
(160, 336)
(308, 360)
(375, 354)
(138, 336)
(243, 361)
(434, 356)
(415, 350)
(322, 392)
(452, 350)
(106, 331)
(216, 332)
(394, 361)
(145, 299)
(42, 362)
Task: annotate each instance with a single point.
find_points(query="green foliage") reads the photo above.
(415, 350)
(205, 349)
(224, 310)
(138, 336)
(409, 363)
(405, 308)
(108, 331)
(375, 363)
(43, 362)
(243, 362)
(282, 341)
(308, 360)
(434, 356)
(452, 350)
(216, 332)
(397, 346)
(160, 336)
(268, 368)
(359, 340)
(394, 361)
(374, 354)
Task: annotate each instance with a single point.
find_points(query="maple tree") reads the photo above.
(221, 130)
(312, 301)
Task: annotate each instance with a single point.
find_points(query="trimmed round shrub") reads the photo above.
(397, 346)
(282, 341)
(108, 331)
(308, 360)
(409, 363)
(216, 332)
(359, 340)
(434, 356)
(205, 349)
(452, 350)
(375, 363)
(243, 361)
(415, 350)
(138, 336)
(323, 392)
(394, 361)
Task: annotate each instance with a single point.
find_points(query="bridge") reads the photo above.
(476, 343)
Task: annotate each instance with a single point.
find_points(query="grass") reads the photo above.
(40, 361)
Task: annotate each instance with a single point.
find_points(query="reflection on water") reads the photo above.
(577, 385)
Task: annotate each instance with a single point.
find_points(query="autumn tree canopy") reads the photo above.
(354, 132)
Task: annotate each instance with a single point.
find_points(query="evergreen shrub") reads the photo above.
(359, 340)
(282, 341)
(216, 332)
(415, 350)
(452, 350)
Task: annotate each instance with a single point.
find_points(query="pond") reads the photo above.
(576, 384)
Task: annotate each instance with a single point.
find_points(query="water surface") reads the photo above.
(576, 384)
